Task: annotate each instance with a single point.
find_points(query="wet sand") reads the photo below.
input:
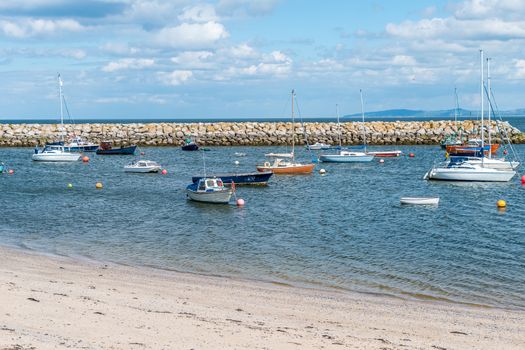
(53, 303)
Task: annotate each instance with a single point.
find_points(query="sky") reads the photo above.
(241, 58)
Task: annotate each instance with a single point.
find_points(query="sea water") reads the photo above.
(344, 230)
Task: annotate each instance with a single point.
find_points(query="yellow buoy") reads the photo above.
(69, 185)
(501, 203)
(99, 185)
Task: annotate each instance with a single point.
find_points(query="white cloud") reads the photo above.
(29, 27)
(520, 68)
(200, 13)
(194, 59)
(128, 63)
(120, 49)
(403, 60)
(177, 77)
(192, 35)
(483, 9)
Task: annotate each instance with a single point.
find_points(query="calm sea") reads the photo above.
(343, 230)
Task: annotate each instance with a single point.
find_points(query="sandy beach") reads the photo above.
(52, 303)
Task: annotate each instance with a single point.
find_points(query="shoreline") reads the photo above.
(315, 286)
(55, 302)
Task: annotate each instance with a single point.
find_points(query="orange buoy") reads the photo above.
(411, 155)
(164, 172)
(240, 202)
(501, 203)
(523, 180)
(142, 153)
(505, 152)
(98, 185)
(10, 171)
(85, 159)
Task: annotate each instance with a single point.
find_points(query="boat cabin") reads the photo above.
(106, 145)
(210, 185)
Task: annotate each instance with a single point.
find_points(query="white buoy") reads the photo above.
(237, 162)
(381, 161)
(240, 202)
(322, 171)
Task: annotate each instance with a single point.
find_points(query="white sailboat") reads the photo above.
(458, 169)
(56, 152)
(348, 156)
(488, 161)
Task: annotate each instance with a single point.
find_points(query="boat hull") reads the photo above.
(338, 158)
(295, 169)
(420, 200)
(142, 170)
(117, 151)
(64, 157)
(468, 174)
(215, 197)
(385, 154)
(190, 147)
(249, 179)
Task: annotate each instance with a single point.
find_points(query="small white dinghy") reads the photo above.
(420, 200)
(142, 166)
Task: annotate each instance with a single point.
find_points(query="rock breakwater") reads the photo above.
(247, 133)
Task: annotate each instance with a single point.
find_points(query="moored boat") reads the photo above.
(385, 154)
(190, 145)
(318, 146)
(462, 171)
(280, 166)
(420, 200)
(142, 166)
(106, 148)
(77, 144)
(346, 157)
(209, 190)
(254, 178)
(55, 153)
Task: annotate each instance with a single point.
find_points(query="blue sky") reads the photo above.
(240, 58)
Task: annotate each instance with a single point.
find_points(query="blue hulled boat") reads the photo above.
(106, 148)
(251, 179)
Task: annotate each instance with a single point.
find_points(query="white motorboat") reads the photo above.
(209, 190)
(142, 166)
(420, 200)
(318, 146)
(55, 153)
(452, 171)
(77, 144)
(279, 155)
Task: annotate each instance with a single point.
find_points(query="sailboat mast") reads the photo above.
(482, 104)
(489, 112)
(338, 125)
(293, 127)
(61, 107)
(363, 118)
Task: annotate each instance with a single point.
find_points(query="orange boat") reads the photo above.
(280, 166)
(471, 148)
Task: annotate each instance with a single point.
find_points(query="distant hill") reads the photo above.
(441, 114)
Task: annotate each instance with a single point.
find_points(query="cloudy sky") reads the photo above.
(240, 58)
